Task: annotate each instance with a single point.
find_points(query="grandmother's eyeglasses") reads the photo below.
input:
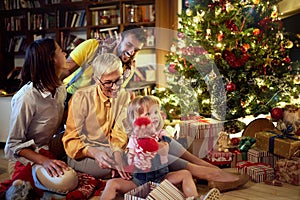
(110, 84)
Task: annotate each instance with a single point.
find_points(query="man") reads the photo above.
(130, 41)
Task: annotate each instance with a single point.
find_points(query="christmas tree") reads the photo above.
(230, 59)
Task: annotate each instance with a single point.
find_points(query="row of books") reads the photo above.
(69, 41)
(72, 19)
(14, 23)
(16, 44)
(104, 33)
(18, 4)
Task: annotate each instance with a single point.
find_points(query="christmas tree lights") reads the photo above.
(234, 56)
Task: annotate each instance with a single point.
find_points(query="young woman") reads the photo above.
(37, 114)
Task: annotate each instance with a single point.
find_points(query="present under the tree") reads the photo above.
(141, 192)
(288, 170)
(258, 172)
(237, 156)
(219, 158)
(201, 135)
(260, 156)
(276, 143)
(154, 191)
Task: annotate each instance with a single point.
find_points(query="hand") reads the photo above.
(119, 166)
(163, 148)
(101, 157)
(55, 167)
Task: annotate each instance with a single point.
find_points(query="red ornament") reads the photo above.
(230, 87)
(172, 68)
(276, 114)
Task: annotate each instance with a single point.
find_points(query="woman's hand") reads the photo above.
(119, 166)
(101, 157)
(54, 167)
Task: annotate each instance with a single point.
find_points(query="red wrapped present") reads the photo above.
(219, 156)
(288, 170)
(201, 135)
(261, 156)
(258, 172)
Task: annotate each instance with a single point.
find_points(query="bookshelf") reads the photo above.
(69, 22)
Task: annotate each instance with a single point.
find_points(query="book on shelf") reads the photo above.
(75, 16)
(70, 41)
(18, 43)
(80, 18)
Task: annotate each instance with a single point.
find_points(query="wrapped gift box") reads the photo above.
(258, 172)
(201, 135)
(237, 156)
(141, 192)
(288, 170)
(154, 191)
(260, 156)
(270, 141)
(218, 156)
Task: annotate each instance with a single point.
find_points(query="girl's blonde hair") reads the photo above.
(136, 108)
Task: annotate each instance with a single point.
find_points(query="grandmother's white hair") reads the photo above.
(105, 64)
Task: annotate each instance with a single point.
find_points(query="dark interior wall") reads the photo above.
(292, 25)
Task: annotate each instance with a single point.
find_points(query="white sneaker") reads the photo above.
(19, 190)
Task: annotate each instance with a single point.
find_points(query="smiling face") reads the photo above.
(110, 84)
(128, 48)
(153, 112)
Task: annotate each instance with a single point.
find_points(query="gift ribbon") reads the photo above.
(250, 164)
(210, 139)
(280, 136)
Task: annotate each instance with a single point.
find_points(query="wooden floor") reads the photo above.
(251, 191)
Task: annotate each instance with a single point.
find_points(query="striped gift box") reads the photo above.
(141, 192)
(154, 191)
(166, 191)
(201, 135)
(261, 156)
(258, 172)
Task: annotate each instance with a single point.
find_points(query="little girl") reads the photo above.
(157, 171)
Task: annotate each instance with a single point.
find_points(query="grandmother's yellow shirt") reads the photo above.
(92, 121)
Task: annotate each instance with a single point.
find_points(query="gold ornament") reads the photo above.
(289, 44)
(189, 12)
(297, 79)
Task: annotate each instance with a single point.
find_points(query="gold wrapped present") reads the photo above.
(280, 145)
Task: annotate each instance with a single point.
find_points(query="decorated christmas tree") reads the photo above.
(229, 59)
